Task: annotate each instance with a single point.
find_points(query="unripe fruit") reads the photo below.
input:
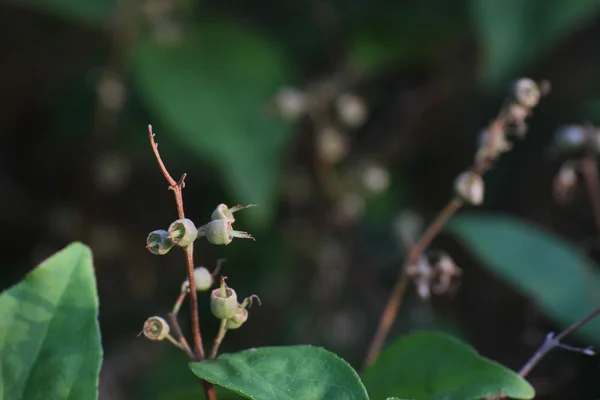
(183, 232)
(156, 328)
(158, 242)
(202, 278)
(223, 302)
(238, 319)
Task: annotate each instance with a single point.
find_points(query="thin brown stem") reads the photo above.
(589, 172)
(218, 339)
(180, 338)
(395, 299)
(189, 251)
(177, 187)
(554, 341)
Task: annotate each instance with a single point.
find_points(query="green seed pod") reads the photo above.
(224, 212)
(238, 319)
(220, 231)
(202, 278)
(183, 232)
(158, 242)
(156, 328)
(223, 302)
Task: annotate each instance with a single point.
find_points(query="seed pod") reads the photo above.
(220, 231)
(158, 242)
(202, 278)
(183, 232)
(224, 212)
(223, 302)
(238, 319)
(156, 328)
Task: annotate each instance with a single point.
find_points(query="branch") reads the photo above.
(555, 341)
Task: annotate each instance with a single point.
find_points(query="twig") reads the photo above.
(395, 299)
(176, 187)
(180, 338)
(555, 341)
(218, 339)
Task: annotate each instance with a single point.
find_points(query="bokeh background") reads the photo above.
(397, 94)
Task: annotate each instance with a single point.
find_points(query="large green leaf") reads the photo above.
(513, 33)
(553, 273)
(50, 340)
(434, 366)
(274, 373)
(211, 90)
(93, 13)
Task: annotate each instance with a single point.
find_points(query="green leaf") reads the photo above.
(434, 366)
(553, 273)
(50, 345)
(93, 13)
(212, 90)
(513, 33)
(295, 372)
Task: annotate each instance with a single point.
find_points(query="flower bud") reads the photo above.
(565, 182)
(202, 278)
(291, 103)
(183, 232)
(351, 109)
(469, 187)
(527, 92)
(238, 319)
(156, 328)
(223, 301)
(220, 231)
(224, 212)
(158, 242)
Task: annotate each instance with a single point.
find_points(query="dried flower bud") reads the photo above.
(422, 275)
(224, 212)
(183, 232)
(291, 103)
(469, 187)
(203, 280)
(223, 301)
(156, 328)
(564, 182)
(158, 242)
(220, 231)
(446, 270)
(351, 110)
(527, 92)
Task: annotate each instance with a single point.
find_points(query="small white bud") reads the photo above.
(527, 92)
(564, 182)
(351, 109)
(291, 103)
(571, 138)
(332, 145)
(470, 187)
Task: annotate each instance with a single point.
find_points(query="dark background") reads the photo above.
(80, 80)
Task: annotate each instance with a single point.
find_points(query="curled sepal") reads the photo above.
(238, 319)
(469, 187)
(247, 303)
(183, 232)
(158, 242)
(223, 301)
(224, 212)
(220, 231)
(203, 280)
(156, 328)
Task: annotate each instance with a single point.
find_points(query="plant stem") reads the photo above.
(182, 340)
(395, 299)
(554, 341)
(218, 339)
(176, 187)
